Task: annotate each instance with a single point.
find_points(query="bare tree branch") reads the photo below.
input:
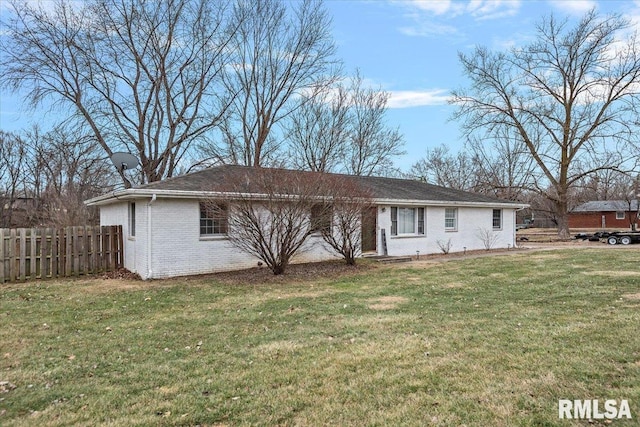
(143, 76)
(569, 97)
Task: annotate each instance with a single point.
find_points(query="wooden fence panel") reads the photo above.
(40, 253)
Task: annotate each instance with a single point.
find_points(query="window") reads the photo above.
(450, 218)
(497, 219)
(406, 221)
(321, 218)
(132, 219)
(213, 219)
(620, 215)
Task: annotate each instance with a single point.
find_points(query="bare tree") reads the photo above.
(505, 168)
(280, 54)
(347, 201)
(605, 185)
(74, 169)
(318, 131)
(438, 166)
(271, 212)
(570, 97)
(142, 75)
(13, 156)
(343, 130)
(45, 178)
(372, 144)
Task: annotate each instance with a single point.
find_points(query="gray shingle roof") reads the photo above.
(216, 179)
(606, 206)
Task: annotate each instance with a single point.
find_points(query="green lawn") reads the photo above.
(478, 342)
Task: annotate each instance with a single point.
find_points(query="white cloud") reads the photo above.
(574, 7)
(493, 9)
(442, 17)
(423, 29)
(479, 9)
(437, 7)
(412, 98)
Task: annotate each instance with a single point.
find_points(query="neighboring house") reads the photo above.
(170, 232)
(604, 214)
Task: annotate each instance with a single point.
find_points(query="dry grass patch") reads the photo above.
(612, 273)
(634, 297)
(276, 347)
(453, 285)
(386, 303)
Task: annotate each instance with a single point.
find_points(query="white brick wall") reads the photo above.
(470, 222)
(177, 248)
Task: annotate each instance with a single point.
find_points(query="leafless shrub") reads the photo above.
(488, 237)
(348, 201)
(269, 212)
(445, 247)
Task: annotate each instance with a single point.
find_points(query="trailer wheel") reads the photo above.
(612, 240)
(625, 240)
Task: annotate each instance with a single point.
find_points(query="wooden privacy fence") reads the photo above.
(39, 253)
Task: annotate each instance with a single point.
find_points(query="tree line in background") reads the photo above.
(45, 177)
(552, 123)
(184, 84)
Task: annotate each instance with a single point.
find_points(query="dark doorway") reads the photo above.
(369, 229)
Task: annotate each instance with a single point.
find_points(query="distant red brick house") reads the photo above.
(604, 214)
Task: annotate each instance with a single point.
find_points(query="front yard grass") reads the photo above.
(477, 342)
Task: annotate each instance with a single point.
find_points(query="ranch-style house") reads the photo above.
(169, 231)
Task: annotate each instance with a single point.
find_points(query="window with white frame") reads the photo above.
(132, 219)
(451, 219)
(620, 215)
(214, 219)
(321, 218)
(407, 221)
(497, 219)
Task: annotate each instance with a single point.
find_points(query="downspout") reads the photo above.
(149, 237)
(515, 229)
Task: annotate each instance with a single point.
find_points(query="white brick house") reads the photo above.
(167, 231)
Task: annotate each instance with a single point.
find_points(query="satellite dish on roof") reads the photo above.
(123, 160)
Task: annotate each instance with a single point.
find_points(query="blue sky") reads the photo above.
(410, 49)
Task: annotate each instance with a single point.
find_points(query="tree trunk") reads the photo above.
(562, 216)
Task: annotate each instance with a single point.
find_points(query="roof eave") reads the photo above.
(133, 193)
(451, 203)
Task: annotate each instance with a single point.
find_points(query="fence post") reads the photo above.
(104, 237)
(95, 248)
(23, 253)
(43, 253)
(12, 255)
(3, 275)
(120, 247)
(34, 254)
(84, 248)
(60, 245)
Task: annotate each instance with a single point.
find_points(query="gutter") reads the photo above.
(149, 237)
(133, 193)
(515, 222)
